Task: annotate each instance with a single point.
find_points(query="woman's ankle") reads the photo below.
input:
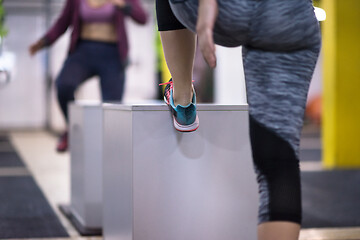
(183, 99)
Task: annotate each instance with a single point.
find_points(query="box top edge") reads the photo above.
(164, 107)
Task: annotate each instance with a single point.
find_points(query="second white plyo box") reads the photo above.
(86, 132)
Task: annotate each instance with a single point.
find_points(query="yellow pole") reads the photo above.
(165, 73)
(341, 96)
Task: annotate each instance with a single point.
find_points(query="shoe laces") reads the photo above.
(167, 93)
(167, 83)
(170, 82)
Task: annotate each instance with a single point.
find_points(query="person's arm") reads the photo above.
(207, 14)
(133, 9)
(35, 47)
(60, 26)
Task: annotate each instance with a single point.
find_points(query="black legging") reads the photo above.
(281, 43)
(89, 59)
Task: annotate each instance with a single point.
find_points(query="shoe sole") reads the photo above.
(184, 128)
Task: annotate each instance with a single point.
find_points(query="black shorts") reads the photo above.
(165, 17)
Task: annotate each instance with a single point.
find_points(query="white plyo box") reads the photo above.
(86, 163)
(161, 184)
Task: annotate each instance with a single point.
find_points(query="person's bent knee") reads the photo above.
(64, 90)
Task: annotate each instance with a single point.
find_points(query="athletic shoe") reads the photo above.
(62, 144)
(185, 118)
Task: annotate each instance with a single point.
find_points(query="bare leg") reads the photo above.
(179, 51)
(278, 231)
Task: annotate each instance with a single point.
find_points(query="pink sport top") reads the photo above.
(105, 13)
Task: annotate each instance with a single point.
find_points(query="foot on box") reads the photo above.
(185, 118)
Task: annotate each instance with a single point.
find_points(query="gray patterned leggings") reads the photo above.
(281, 43)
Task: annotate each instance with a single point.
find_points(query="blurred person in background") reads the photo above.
(98, 46)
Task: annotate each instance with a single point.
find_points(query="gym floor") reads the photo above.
(52, 173)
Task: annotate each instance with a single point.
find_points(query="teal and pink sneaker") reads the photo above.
(185, 118)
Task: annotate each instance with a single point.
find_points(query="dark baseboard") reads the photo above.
(83, 230)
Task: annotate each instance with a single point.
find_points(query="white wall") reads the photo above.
(22, 102)
(229, 76)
